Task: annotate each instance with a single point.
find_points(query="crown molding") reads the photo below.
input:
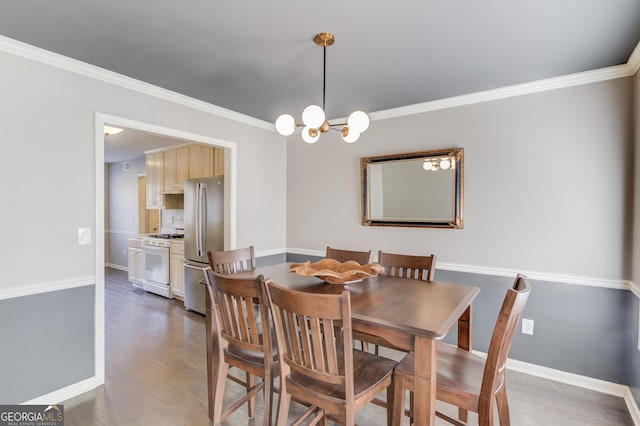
(634, 60)
(63, 62)
(587, 77)
(37, 54)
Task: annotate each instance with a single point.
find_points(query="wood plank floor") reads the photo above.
(156, 375)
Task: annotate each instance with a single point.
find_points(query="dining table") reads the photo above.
(410, 314)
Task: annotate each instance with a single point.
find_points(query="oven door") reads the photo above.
(156, 264)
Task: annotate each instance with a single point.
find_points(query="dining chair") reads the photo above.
(465, 379)
(408, 266)
(362, 257)
(236, 315)
(318, 365)
(232, 261)
(399, 265)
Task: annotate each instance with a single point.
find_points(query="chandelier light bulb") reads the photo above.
(426, 165)
(313, 116)
(310, 135)
(445, 164)
(358, 121)
(349, 135)
(286, 124)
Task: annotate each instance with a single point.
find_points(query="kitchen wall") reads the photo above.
(121, 218)
(548, 191)
(48, 110)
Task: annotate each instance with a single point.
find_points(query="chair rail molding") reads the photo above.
(506, 272)
(38, 288)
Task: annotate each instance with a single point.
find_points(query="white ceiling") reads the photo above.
(259, 59)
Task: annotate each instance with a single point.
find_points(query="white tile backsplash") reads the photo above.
(172, 221)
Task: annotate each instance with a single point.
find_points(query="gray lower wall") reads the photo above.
(590, 331)
(47, 343)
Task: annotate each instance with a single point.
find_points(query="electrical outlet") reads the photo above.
(527, 326)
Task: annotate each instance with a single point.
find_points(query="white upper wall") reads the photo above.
(48, 168)
(547, 183)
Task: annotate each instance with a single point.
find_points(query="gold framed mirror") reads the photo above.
(418, 189)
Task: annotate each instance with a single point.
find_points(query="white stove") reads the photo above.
(155, 249)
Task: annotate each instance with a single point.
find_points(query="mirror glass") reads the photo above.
(422, 189)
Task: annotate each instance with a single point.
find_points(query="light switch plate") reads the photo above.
(84, 236)
(527, 326)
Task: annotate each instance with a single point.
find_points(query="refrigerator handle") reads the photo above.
(201, 216)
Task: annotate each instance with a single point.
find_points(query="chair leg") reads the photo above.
(397, 412)
(268, 395)
(284, 401)
(463, 415)
(503, 406)
(485, 415)
(251, 382)
(390, 399)
(218, 392)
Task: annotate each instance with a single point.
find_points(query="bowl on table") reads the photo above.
(335, 272)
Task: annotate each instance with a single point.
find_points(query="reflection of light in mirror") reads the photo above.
(444, 163)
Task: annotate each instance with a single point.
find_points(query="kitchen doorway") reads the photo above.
(230, 191)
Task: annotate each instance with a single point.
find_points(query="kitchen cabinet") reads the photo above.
(176, 169)
(168, 169)
(218, 166)
(135, 261)
(176, 270)
(200, 161)
(155, 172)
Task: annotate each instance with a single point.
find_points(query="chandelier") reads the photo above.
(314, 121)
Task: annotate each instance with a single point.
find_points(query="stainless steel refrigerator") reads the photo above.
(203, 232)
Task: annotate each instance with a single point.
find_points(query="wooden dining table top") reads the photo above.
(408, 306)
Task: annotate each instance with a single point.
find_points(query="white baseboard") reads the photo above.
(114, 266)
(61, 395)
(632, 406)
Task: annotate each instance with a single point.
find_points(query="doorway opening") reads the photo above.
(230, 159)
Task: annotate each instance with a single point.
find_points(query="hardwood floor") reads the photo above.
(156, 375)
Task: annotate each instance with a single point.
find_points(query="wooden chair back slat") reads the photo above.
(232, 261)
(408, 266)
(306, 328)
(239, 311)
(362, 257)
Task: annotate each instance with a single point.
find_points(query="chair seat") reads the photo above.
(246, 355)
(459, 373)
(369, 371)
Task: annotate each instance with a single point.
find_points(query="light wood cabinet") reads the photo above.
(200, 161)
(218, 166)
(155, 172)
(168, 169)
(176, 270)
(135, 261)
(176, 169)
(182, 165)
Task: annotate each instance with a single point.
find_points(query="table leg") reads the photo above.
(425, 381)
(464, 330)
(464, 342)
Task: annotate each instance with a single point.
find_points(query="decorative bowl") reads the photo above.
(335, 272)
